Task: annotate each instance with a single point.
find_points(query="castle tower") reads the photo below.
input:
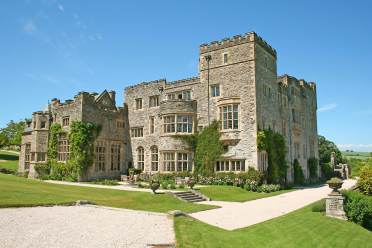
(236, 70)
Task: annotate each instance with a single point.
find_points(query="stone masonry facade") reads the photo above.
(237, 85)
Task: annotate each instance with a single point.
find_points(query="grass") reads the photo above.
(236, 194)
(302, 228)
(17, 191)
(11, 162)
(357, 164)
(356, 155)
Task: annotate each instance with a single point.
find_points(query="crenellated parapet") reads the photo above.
(237, 40)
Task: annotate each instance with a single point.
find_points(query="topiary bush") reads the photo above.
(298, 173)
(358, 208)
(365, 180)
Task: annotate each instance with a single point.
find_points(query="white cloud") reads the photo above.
(356, 147)
(29, 27)
(61, 8)
(328, 107)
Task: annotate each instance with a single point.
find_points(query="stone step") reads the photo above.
(189, 196)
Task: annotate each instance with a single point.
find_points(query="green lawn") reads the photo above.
(232, 193)
(18, 191)
(357, 155)
(302, 228)
(11, 162)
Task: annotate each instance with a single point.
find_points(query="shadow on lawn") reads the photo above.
(11, 157)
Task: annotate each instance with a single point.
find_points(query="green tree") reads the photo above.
(326, 148)
(12, 133)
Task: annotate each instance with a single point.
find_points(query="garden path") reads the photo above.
(234, 215)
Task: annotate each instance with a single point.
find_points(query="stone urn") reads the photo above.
(154, 186)
(191, 183)
(335, 184)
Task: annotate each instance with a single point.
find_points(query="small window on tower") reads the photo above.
(215, 90)
(225, 58)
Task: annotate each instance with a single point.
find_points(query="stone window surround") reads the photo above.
(164, 117)
(115, 155)
(152, 124)
(229, 101)
(135, 132)
(225, 58)
(138, 104)
(233, 165)
(154, 101)
(154, 158)
(140, 158)
(175, 161)
(65, 121)
(215, 90)
(27, 155)
(100, 155)
(63, 149)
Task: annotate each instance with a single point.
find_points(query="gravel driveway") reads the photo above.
(83, 226)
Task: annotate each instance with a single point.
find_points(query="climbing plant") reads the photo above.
(54, 132)
(298, 173)
(81, 138)
(274, 144)
(206, 146)
(312, 165)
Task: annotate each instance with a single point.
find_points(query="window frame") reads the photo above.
(139, 103)
(154, 101)
(215, 90)
(229, 116)
(140, 158)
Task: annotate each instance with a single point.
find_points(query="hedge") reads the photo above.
(358, 208)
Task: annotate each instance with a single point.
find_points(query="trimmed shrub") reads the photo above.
(365, 181)
(106, 182)
(164, 185)
(298, 173)
(358, 208)
(319, 206)
(247, 187)
(42, 170)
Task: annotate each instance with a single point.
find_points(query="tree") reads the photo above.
(12, 133)
(326, 148)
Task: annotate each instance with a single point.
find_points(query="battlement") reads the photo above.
(184, 81)
(158, 81)
(299, 82)
(237, 40)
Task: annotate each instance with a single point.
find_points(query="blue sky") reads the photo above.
(53, 48)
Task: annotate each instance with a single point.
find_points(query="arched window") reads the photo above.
(140, 158)
(154, 158)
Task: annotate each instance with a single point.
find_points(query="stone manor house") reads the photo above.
(237, 85)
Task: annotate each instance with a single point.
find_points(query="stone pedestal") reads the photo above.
(335, 206)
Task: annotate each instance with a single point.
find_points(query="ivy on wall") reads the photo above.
(274, 144)
(299, 177)
(206, 146)
(54, 132)
(81, 139)
(312, 165)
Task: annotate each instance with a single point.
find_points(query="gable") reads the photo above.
(104, 100)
